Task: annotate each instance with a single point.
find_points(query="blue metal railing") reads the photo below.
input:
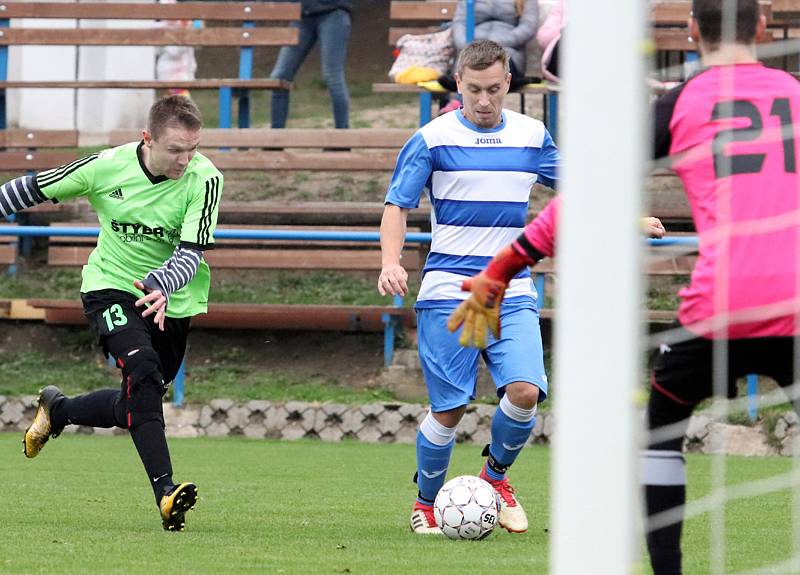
(389, 322)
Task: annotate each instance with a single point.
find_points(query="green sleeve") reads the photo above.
(68, 181)
(201, 217)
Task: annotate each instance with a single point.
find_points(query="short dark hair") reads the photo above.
(709, 13)
(480, 55)
(176, 109)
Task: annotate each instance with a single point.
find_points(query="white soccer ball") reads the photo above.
(466, 508)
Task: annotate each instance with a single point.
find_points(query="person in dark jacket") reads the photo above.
(328, 21)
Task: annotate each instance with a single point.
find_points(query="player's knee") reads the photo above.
(522, 394)
(451, 417)
(141, 370)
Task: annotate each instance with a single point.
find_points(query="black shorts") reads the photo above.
(684, 372)
(119, 327)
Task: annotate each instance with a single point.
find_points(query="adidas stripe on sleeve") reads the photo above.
(176, 272)
(69, 181)
(201, 217)
(19, 194)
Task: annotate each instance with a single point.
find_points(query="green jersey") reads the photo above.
(143, 219)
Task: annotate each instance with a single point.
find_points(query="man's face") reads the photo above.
(172, 151)
(483, 92)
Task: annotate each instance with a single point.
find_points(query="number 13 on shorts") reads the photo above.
(115, 317)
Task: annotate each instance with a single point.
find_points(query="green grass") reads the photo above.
(84, 507)
(74, 375)
(758, 530)
(41, 282)
(319, 287)
(244, 384)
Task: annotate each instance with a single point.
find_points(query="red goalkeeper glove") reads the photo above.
(482, 309)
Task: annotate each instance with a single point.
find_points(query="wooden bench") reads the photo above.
(421, 17)
(33, 150)
(669, 34)
(323, 149)
(660, 262)
(8, 250)
(668, 19)
(296, 149)
(244, 36)
(66, 251)
(350, 214)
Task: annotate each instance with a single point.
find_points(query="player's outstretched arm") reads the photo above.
(482, 308)
(19, 194)
(160, 283)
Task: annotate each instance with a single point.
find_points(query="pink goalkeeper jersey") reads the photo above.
(730, 133)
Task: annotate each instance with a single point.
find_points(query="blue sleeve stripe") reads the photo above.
(494, 159)
(481, 214)
(411, 174)
(549, 162)
(462, 265)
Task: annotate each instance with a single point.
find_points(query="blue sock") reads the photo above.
(434, 445)
(511, 428)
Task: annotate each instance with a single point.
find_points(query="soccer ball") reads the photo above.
(466, 508)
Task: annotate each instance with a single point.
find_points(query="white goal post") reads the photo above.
(598, 343)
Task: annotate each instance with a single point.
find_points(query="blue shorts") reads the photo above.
(451, 371)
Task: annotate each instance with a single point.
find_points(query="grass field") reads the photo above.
(84, 507)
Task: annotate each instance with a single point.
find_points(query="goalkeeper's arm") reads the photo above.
(19, 194)
(482, 309)
(535, 243)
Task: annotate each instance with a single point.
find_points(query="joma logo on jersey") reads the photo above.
(488, 141)
(134, 228)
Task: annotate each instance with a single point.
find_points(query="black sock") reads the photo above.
(96, 409)
(665, 544)
(151, 443)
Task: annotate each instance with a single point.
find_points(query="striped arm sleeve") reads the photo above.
(176, 272)
(18, 194)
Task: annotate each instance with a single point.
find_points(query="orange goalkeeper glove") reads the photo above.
(481, 311)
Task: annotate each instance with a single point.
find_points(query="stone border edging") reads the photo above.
(398, 423)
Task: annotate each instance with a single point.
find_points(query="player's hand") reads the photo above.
(653, 227)
(393, 280)
(479, 312)
(155, 303)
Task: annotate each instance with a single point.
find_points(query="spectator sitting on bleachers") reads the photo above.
(510, 23)
(549, 36)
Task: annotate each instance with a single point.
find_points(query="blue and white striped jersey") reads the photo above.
(479, 182)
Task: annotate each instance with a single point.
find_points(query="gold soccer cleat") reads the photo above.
(175, 504)
(41, 429)
(512, 516)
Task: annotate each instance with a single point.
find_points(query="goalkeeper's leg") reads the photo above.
(682, 378)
